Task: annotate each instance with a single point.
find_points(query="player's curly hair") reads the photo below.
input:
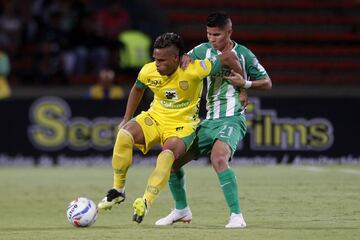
(170, 39)
(218, 19)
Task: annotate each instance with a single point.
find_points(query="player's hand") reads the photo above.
(185, 61)
(236, 79)
(244, 98)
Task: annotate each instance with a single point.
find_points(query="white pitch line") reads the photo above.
(312, 169)
(349, 171)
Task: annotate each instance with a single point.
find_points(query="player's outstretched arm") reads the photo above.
(134, 99)
(261, 84)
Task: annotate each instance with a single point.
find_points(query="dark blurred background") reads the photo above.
(71, 50)
(63, 44)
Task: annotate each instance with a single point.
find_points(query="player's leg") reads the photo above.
(201, 145)
(177, 185)
(173, 148)
(219, 159)
(130, 134)
(177, 182)
(227, 139)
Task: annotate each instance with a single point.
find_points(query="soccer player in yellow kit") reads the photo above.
(171, 119)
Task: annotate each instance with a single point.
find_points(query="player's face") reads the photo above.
(219, 38)
(166, 60)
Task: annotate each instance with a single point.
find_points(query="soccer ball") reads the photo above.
(82, 212)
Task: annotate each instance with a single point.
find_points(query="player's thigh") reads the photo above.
(136, 131)
(204, 140)
(184, 132)
(229, 131)
(178, 163)
(150, 130)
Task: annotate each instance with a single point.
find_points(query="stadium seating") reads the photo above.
(298, 42)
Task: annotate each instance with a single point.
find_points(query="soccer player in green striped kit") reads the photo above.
(225, 124)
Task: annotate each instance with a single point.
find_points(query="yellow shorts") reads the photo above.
(157, 131)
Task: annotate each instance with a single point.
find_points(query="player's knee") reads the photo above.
(176, 146)
(175, 152)
(220, 166)
(219, 161)
(165, 159)
(123, 139)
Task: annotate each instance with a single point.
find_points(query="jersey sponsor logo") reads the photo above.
(184, 85)
(223, 72)
(171, 94)
(174, 105)
(154, 82)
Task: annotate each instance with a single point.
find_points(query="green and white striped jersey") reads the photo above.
(222, 99)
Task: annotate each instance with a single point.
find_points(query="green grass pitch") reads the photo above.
(278, 202)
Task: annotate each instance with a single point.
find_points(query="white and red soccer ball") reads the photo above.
(82, 212)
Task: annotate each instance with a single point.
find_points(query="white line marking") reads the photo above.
(349, 171)
(313, 169)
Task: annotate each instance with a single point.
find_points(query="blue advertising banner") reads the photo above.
(52, 130)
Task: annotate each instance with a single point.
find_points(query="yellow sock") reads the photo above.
(159, 177)
(122, 157)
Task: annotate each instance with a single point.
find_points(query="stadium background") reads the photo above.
(310, 118)
(56, 49)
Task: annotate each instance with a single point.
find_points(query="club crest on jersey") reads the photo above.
(184, 85)
(171, 94)
(148, 121)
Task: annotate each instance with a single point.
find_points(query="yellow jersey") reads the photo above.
(177, 97)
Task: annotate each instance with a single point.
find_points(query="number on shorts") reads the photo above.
(226, 130)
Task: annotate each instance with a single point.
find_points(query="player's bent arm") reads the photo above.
(134, 99)
(230, 60)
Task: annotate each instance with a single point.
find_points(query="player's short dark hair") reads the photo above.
(168, 40)
(218, 19)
